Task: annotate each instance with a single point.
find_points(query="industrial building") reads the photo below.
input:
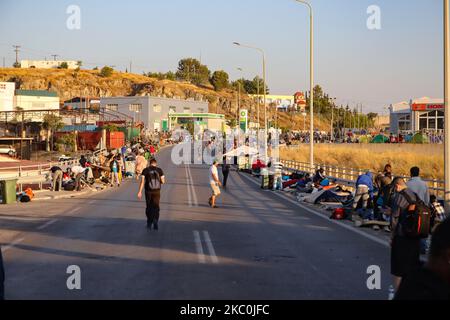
(48, 64)
(154, 112)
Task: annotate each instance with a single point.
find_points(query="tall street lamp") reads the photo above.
(264, 88)
(311, 95)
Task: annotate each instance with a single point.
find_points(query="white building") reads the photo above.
(7, 96)
(47, 64)
(153, 112)
(424, 114)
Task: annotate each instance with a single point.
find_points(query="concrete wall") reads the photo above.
(47, 64)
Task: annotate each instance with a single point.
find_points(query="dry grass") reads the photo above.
(430, 158)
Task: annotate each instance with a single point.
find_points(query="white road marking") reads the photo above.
(191, 184)
(12, 244)
(73, 210)
(343, 225)
(199, 247)
(48, 223)
(188, 187)
(210, 246)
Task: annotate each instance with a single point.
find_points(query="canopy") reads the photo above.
(242, 151)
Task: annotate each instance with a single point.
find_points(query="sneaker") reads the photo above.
(376, 227)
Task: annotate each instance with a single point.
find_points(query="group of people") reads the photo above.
(400, 202)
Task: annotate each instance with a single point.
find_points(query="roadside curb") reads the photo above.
(69, 196)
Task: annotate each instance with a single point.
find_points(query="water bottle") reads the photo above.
(391, 293)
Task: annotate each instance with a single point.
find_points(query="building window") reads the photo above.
(135, 107)
(433, 120)
(201, 110)
(172, 109)
(112, 107)
(404, 123)
(157, 108)
(186, 110)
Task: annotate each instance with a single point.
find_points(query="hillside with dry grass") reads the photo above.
(89, 83)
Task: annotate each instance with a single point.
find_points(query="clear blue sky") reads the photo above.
(401, 61)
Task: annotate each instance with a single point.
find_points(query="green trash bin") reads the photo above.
(8, 190)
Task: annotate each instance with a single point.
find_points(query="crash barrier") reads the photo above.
(348, 176)
(32, 174)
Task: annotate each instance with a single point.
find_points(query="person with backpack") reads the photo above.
(407, 230)
(152, 179)
(431, 282)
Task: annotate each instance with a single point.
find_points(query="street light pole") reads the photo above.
(311, 75)
(264, 88)
(447, 103)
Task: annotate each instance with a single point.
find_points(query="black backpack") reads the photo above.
(153, 180)
(416, 222)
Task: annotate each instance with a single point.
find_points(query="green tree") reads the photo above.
(192, 70)
(51, 123)
(106, 72)
(63, 65)
(220, 80)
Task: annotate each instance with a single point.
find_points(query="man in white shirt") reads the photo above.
(78, 172)
(418, 186)
(215, 183)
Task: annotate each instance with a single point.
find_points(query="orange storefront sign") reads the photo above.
(426, 107)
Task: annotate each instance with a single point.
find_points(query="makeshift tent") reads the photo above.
(365, 139)
(419, 138)
(380, 139)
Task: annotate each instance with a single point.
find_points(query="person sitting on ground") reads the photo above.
(431, 282)
(319, 177)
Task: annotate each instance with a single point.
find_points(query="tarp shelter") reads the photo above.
(380, 139)
(419, 138)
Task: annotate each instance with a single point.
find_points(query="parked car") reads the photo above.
(7, 149)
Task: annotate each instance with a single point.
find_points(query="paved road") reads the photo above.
(257, 245)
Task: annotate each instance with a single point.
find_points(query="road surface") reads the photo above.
(256, 245)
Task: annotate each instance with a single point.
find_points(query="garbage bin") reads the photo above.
(8, 190)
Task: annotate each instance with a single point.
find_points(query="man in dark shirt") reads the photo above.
(2, 277)
(225, 172)
(57, 178)
(152, 178)
(433, 281)
(405, 251)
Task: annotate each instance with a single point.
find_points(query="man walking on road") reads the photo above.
(405, 251)
(152, 178)
(225, 172)
(215, 183)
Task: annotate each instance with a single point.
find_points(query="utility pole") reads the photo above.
(4, 65)
(55, 56)
(17, 50)
(131, 64)
(447, 103)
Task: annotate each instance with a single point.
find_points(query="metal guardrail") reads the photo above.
(32, 174)
(348, 176)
